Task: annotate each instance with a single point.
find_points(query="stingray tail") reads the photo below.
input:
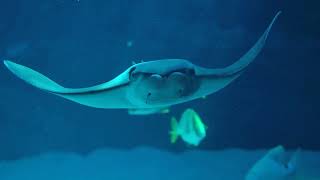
(246, 59)
(33, 77)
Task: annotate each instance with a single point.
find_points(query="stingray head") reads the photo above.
(163, 82)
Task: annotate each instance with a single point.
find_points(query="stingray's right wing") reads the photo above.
(237, 67)
(112, 94)
(213, 80)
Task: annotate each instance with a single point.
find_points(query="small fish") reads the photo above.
(190, 127)
(129, 44)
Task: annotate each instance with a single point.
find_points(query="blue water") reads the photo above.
(80, 43)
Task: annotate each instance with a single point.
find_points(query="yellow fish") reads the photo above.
(190, 127)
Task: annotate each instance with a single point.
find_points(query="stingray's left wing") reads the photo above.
(112, 94)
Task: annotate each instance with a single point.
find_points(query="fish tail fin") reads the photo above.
(33, 77)
(173, 133)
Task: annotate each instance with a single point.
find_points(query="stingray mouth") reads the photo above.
(159, 99)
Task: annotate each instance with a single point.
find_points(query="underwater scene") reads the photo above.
(159, 90)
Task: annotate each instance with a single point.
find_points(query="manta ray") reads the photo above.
(148, 85)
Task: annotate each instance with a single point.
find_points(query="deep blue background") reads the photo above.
(78, 44)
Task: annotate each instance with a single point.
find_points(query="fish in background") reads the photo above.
(190, 127)
(275, 165)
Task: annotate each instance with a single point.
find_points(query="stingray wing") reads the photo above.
(213, 80)
(111, 94)
(243, 62)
